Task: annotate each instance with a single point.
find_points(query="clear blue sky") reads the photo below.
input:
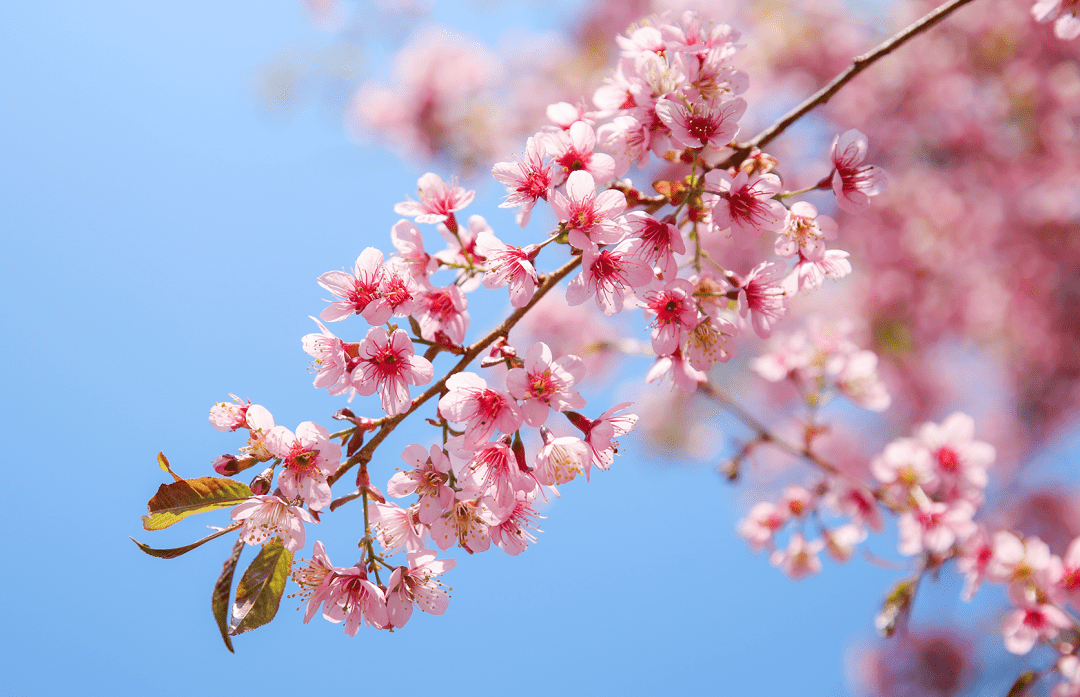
(161, 239)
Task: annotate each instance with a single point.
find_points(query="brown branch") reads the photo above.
(547, 282)
(763, 433)
(859, 64)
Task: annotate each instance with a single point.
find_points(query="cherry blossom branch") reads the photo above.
(763, 433)
(365, 454)
(823, 95)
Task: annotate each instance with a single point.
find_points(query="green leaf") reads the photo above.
(220, 600)
(176, 501)
(177, 551)
(163, 463)
(259, 591)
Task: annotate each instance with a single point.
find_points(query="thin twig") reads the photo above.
(859, 64)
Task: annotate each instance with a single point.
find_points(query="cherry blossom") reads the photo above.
(562, 459)
(308, 458)
(544, 384)
(762, 296)
(527, 181)
(852, 182)
(482, 409)
(513, 534)
(229, 417)
(314, 579)
(427, 479)
(508, 265)
(416, 585)
(359, 292)
(388, 364)
(700, 126)
(590, 219)
(438, 201)
(573, 150)
(409, 243)
(356, 600)
(609, 274)
(332, 362)
(396, 528)
(266, 517)
(674, 314)
(1031, 621)
(467, 521)
(800, 558)
(744, 204)
(761, 524)
(656, 243)
(1065, 14)
(442, 315)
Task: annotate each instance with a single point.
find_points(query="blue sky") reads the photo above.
(162, 234)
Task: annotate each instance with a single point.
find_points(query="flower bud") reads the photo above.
(260, 485)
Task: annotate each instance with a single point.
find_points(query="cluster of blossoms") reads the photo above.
(675, 94)
(934, 483)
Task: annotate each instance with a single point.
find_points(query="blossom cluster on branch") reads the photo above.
(509, 432)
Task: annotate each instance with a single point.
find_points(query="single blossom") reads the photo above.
(437, 203)
(573, 150)
(545, 384)
(853, 182)
(743, 203)
(800, 558)
(229, 417)
(590, 219)
(353, 598)
(314, 576)
(482, 409)
(416, 584)
(387, 363)
(427, 479)
(509, 265)
(308, 458)
(611, 275)
(267, 517)
(527, 180)
(761, 294)
(674, 314)
(514, 534)
(697, 125)
(358, 292)
(442, 316)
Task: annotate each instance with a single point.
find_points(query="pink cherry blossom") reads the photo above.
(804, 230)
(590, 219)
(1070, 576)
(259, 422)
(467, 521)
(388, 364)
(656, 243)
(761, 524)
(396, 528)
(935, 527)
(442, 315)
(857, 378)
(508, 265)
(314, 579)
(573, 150)
(416, 585)
(359, 291)
(266, 517)
(961, 460)
(308, 458)
(482, 409)
(353, 598)
(409, 243)
(800, 558)
(513, 535)
(1031, 621)
(761, 295)
(674, 314)
(852, 182)
(609, 274)
(710, 342)
(698, 125)
(437, 203)
(427, 479)
(331, 360)
(561, 460)
(601, 433)
(229, 417)
(545, 384)
(494, 469)
(685, 376)
(527, 180)
(842, 541)
(744, 204)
